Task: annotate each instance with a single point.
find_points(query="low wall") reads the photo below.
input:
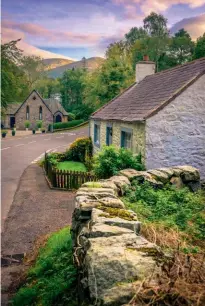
(112, 258)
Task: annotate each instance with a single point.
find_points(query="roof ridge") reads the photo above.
(176, 67)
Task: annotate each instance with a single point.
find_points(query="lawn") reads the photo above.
(72, 166)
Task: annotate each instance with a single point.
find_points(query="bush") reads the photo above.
(27, 124)
(39, 124)
(175, 208)
(66, 125)
(71, 116)
(80, 150)
(55, 158)
(52, 280)
(13, 132)
(110, 160)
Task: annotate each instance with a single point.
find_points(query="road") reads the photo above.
(19, 152)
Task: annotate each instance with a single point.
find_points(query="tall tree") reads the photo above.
(182, 47)
(135, 34)
(34, 69)
(13, 79)
(200, 47)
(156, 25)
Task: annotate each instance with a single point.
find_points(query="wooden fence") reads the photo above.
(66, 179)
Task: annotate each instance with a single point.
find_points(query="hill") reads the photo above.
(52, 63)
(91, 64)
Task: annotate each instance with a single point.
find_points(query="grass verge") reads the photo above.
(72, 166)
(52, 279)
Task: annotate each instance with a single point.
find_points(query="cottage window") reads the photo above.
(40, 113)
(27, 112)
(97, 134)
(109, 135)
(126, 139)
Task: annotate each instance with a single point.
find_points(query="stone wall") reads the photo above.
(34, 105)
(138, 129)
(176, 134)
(112, 258)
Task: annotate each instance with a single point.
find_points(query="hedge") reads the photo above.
(65, 125)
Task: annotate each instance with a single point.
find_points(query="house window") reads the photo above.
(109, 135)
(27, 112)
(126, 138)
(40, 113)
(97, 134)
(34, 98)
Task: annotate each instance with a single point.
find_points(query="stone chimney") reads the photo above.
(144, 68)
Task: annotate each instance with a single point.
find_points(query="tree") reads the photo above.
(200, 47)
(34, 69)
(182, 47)
(47, 87)
(135, 34)
(156, 25)
(13, 79)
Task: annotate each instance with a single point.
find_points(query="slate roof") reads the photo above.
(54, 105)
(146, 98)
(12, 108)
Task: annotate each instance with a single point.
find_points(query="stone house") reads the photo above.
(34, 108)
(162, 115)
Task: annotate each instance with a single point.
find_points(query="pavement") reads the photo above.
(36, 211)
(17, 153)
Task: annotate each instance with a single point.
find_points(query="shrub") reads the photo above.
(71, 116)
(34, 131)
(13, 132)
(175, 208)
(3, 133)
(39, 124)
(27, 124)
(65, 125)
(52, 280)
(110, 160)
(55, 158)
(80, 149)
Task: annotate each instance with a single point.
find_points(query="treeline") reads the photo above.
(83, 92)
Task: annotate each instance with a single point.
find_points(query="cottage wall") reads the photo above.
(34, 105)
(176, 134)
(138, 130)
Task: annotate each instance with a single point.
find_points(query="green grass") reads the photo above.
(178, 209)
(52, 280)
(72, 166)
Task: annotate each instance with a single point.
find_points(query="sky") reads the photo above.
(77, 28)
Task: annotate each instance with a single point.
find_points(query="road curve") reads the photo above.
(19, 152)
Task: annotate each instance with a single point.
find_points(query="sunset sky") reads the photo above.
(77, 28)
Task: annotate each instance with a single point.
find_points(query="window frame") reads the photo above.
(96, 126)
(126, 131)
(109, 127)
(27, 112)
(40, 113)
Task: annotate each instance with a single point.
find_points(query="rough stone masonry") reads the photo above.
(112, 258)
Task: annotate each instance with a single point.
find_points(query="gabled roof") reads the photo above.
(144, 99)
(55, 106)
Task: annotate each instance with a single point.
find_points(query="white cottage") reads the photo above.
(162, 115)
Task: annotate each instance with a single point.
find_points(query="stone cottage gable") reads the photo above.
(147, 97)
(30, 110)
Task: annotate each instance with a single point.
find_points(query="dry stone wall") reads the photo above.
(112, 258)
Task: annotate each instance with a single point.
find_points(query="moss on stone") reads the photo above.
(116, 212)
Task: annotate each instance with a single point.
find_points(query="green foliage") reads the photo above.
(176, 208)
(33, 68)
(55, 158)
(4, 131)
(27, 124)
(39, 124)
(80, 149)
(47, 87)
(52, 280)
(13, 132)
(66, 125)
(110, 160)
(71, 116)
(200, 47)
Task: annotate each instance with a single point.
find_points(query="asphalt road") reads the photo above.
(19, 152)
